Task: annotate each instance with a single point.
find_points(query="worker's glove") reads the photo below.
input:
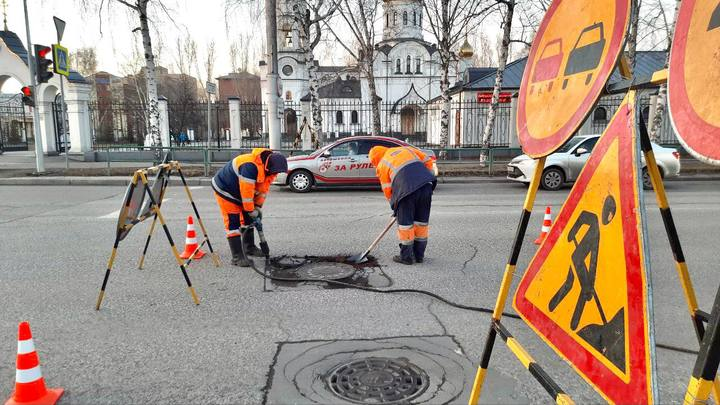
(258, 208)
(254, 213)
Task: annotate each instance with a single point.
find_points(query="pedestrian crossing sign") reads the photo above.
(586, 292)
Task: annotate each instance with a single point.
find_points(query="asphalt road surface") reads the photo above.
(150, 344)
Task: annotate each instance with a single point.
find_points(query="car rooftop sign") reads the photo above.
(572, 57)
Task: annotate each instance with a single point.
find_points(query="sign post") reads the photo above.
(60, 65)
(211, 89)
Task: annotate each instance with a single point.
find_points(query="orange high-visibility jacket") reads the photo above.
(401, 170)
(243, 181)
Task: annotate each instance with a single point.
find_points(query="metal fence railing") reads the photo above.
(212, 158)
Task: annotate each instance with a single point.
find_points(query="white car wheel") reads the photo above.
(300, 181)
(553, 179)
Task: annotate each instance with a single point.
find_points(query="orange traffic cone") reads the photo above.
(191, 242)
(29, 382)
(547, 223)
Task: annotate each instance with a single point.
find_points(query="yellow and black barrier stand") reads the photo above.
(113, 253)
(704, 374)
(698, 317)
(156, 209)
(127, 220)
(496, 328)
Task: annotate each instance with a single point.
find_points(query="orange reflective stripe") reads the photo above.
(421, 231)
(406, 234)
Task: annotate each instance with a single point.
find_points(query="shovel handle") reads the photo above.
(377, 240)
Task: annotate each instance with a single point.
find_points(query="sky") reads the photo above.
(203, 20)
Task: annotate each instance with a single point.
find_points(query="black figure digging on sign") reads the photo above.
(586, 271)
(608, 338)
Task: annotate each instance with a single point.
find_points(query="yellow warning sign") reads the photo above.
(586, 290)
(572, 57)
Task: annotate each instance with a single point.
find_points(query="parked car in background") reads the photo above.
(565, 164)
(342, 163)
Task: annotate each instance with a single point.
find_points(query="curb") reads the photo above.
(205, 181)
(90, 181)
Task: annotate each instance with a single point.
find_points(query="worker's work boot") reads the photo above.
(406, 255)
(238, 256)
(419, 250)
(249, 244)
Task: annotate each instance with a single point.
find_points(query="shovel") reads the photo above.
(362, 257)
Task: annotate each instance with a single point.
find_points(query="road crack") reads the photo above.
(437, 318)
(464, 266)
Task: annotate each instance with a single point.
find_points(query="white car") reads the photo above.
(565, 164)
(343, 163)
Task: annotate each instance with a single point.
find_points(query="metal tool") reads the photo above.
(362, 257)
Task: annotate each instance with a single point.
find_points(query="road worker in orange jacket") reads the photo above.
(407, 180)
(241, 187)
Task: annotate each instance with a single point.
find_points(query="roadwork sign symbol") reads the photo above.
(586, 290)
(559, 88)
(694, 79)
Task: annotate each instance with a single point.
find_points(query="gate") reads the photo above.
(59, 123)
(14, 125)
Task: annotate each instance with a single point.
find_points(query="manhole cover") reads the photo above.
(325, 271)
(377, 380)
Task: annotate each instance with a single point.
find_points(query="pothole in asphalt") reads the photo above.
(313, 272)
(418, 370)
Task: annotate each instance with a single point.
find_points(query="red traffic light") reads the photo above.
(26, 91)
(42, 51)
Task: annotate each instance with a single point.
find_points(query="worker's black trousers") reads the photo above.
(413, 215)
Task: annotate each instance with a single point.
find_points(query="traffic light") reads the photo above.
(42, 64)
(27, 96)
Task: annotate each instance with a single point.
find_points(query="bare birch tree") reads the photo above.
(654, 25)
(360, 17)
(631, 42)
(140, 9)
(84, 60)
(308, 20)
(504, 50)
(448, 21)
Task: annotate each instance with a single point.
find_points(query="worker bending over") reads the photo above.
(241, 187)
(407, 180)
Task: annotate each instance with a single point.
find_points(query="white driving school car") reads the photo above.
(565, 164)
(342, 163)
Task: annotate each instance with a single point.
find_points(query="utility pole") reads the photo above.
(272, 74)
(39, 157)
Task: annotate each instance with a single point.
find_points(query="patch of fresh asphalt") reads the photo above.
(149, 344)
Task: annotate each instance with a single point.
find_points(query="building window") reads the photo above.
(395, 18)
(420, 20)
(398, 69)
(338, 118)
(353, 117)
(387, 20)
(600, 114)
(417, 65)
(405, 20)
(407, 65)
(414, 18)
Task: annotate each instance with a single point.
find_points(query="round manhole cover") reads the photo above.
(378, 380)
(325, 271)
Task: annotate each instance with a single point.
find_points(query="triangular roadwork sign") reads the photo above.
(586, 290)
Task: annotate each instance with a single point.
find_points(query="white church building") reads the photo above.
(407, 76)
